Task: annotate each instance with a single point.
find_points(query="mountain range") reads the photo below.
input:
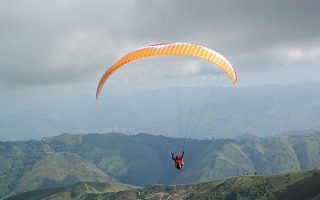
(144, 159)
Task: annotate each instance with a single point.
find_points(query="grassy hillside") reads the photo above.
(304, 185)
(124, 157)
(59, 169)
(307, 188)
(76, 191)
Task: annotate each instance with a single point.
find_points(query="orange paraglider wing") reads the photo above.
(170, 49)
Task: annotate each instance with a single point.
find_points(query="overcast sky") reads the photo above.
(64, 46)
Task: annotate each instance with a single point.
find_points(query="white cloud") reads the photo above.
(307, 55)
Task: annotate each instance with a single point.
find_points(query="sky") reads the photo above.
(62, 47)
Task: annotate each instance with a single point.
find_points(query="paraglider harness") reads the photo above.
(178, 160)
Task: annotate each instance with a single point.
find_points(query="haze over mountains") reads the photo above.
(145, 159)
(203, 112)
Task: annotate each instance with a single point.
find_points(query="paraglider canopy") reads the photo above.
(187, 49)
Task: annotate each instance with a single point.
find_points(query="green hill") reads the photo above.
(76, 191)
(303, 185)
(16, 158)
(59, 169)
